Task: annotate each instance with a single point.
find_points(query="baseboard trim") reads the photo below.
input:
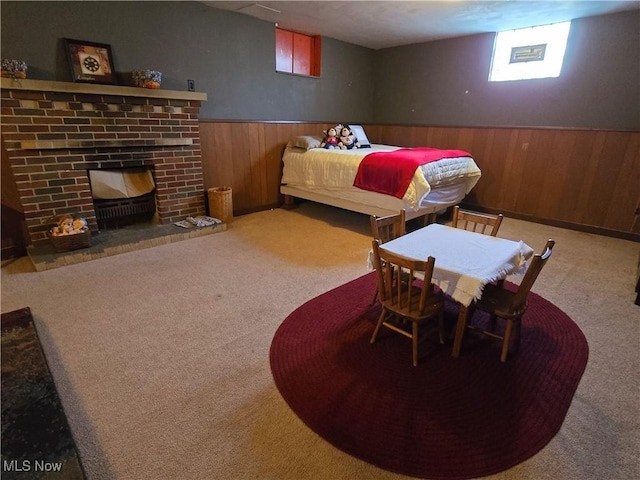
(557, 223)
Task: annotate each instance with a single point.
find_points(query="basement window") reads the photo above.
(535, 52)
(298, 53)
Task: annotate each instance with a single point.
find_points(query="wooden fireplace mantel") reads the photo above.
(72, 144)
(98, 89)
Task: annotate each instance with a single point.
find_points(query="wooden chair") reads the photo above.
(510, 306)
(387, 228)
(406, 304)
(476, 222)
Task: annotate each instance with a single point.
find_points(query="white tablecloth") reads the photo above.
(465, 261)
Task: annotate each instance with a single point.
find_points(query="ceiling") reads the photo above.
(383, 24)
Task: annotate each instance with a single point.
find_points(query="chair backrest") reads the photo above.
(535, 267)
(396, 273)
(389, 227)
(476, 222)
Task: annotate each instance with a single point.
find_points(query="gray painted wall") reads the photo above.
(231, 58)
(445, 82)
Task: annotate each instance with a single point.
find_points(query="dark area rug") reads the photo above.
(445, 419)
(36, 439)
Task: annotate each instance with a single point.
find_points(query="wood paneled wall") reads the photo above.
(583, 179)
(248, 158)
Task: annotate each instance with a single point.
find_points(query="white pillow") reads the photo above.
(306, 141)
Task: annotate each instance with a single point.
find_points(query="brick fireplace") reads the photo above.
(55, 132)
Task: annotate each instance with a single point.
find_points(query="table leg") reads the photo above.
(461, 326)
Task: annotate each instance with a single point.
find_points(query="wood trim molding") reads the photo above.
(90, 88)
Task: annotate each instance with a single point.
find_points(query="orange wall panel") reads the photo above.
(284, 50)
(302, 53)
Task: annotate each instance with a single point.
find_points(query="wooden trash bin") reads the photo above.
(221, 203)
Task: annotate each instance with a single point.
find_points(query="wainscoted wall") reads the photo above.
(247, 156)
(582, 179)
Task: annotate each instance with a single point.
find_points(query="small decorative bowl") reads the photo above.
(146, 78)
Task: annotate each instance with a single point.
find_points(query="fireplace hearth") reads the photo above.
(117, 241)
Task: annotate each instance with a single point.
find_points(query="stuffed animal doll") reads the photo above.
(80, 225)
(348, 141)
(331, 139)
(64, 226)
(67, 225)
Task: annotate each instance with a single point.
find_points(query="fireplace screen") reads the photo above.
(123, 183)
(122, 197)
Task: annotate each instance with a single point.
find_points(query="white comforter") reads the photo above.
(319, 167)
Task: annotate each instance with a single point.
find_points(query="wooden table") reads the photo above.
(465, 263)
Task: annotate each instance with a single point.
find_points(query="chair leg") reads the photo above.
(375, 297)
(414, 338)
(505, 342)
(378, 325)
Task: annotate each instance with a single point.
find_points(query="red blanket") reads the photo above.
(391, 172)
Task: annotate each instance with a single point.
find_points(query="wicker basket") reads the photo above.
(221, 203)
(65, 243)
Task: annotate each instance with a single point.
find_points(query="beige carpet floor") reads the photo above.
(161, 356)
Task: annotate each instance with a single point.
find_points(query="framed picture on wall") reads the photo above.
(90, 62)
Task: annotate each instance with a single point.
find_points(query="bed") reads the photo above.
(328, 176)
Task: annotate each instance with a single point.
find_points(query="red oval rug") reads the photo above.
(445, 419)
